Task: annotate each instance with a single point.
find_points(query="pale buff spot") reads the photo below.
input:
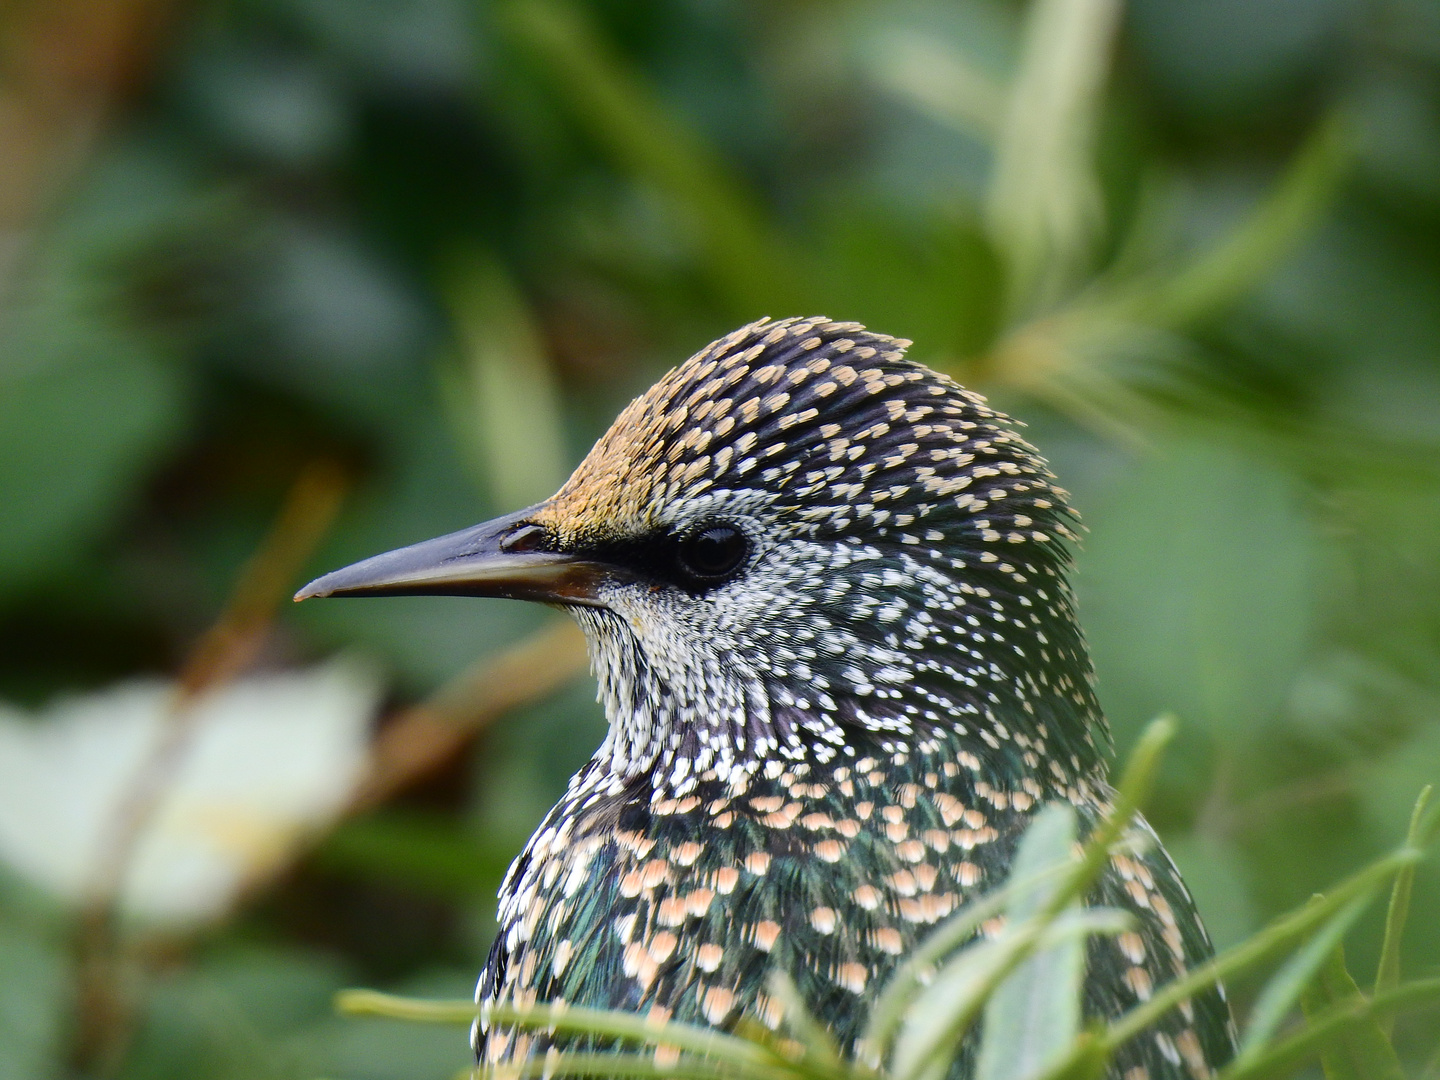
(1167, 1047)
(938, 839)
(911, 851)
(708, 957)
(852, 977)
(829, 851)
(892, 814)
(863, 810)
(698, 902)
(686, 853)
(662, 945)
(903, 882)
(638, 965)
(757, 862)
(653, 873)
(888, 940)
(1138, 979)
(769, 1011)
(1162, 908)
(867, 896)
(716, 1003)
(966, 874)
(896, 831)
(671, 911)
(848, 829)
(925, 876)
(934, 908)
(563, 952)
(726, 878)
(765, 935)
(1132, 945)
(1189, 1046)
(823, 919)
(950, 807)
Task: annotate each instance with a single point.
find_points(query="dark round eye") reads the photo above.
(713, 552)
(522, 538)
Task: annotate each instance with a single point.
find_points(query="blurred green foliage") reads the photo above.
(1196, 246)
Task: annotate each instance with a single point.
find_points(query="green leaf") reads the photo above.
(503, 395)
(1333, 1023)
(1285, 988)
(1044, 206)
(1034, 1015)
(1363, 1051)
(938, 1019)
(916, 971)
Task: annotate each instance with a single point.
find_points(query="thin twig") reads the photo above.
(225, 650)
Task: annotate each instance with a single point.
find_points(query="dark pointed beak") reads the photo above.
(507, 557)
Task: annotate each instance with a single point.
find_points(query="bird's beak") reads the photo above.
(501, 558)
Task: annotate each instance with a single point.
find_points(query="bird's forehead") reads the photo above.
(749, 409)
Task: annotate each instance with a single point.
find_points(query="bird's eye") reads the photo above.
(713, 552)
(522, 538)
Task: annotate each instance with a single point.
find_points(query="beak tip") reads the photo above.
(310, 591)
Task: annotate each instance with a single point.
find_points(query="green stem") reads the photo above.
(1290, 1052)
(598, 1022)
(1387, 975)
(1252, 249)
(1284, 930)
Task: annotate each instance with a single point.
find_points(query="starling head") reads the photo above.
(796, 539)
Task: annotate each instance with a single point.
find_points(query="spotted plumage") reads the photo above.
(825, 594)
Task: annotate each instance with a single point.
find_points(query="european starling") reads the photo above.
(825, 594)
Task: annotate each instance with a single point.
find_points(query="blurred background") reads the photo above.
(284, 283)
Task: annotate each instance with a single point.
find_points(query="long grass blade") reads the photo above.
(1288, 928)
(1285, 1056)
(939, 80)
(1387, 974)
(1283, 991)
(597, 1022)
(1044, 207)
(1251, 250)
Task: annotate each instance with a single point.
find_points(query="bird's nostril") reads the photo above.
(523, 538)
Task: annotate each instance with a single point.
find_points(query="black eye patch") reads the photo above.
(708, 555)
